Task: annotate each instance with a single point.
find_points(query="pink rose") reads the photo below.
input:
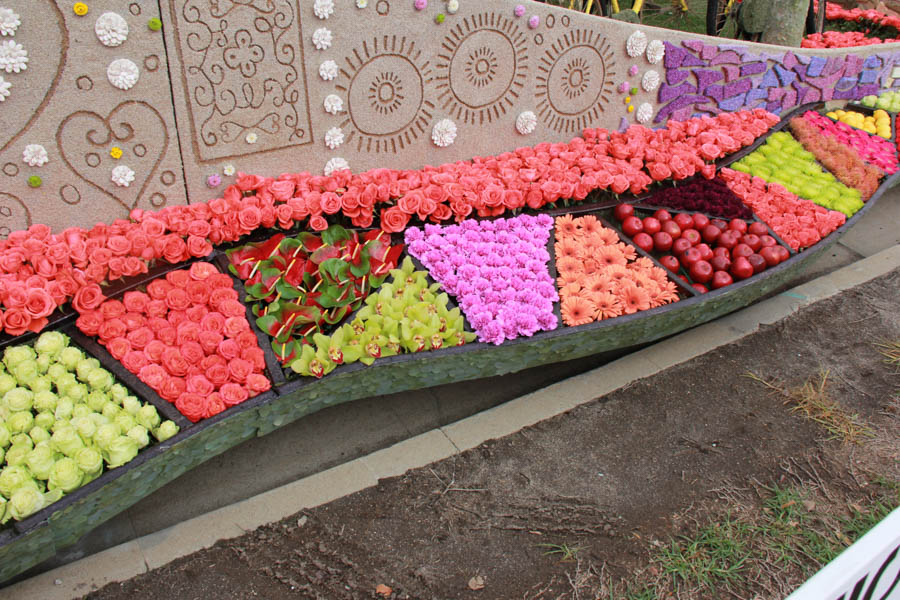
(229, 349)
(192, 406)
(134, 361)
(257, 383)
(233, 394)
(88, 322)
(235, 325)
(154, 350)
(118, 347)
(88, 298)
(135, 301)
(38, 303)
(140, 337)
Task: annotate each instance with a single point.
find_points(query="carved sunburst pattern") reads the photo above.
(386, 82)
(575, 80)
(481, 68)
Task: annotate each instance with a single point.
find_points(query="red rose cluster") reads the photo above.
(846, 39)
(187, 337)
(40, 271)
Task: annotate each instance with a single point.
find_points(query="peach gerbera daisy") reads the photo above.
(566, 247)
(641, 263)
(617, 273)
(568, 264)
(607, 305)
(632, 297)
(590, 225)
(598, 284)
(570, 289)
(606, 236)
(658, 275)
(566, 226)
(629, 251)
(610, 255)
(577, 311)
(669, 293)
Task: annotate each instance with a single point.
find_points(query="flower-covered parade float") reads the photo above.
(138, 347)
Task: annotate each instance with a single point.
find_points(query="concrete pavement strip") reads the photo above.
(151, 551)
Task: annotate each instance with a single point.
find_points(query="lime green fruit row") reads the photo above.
(783, 160)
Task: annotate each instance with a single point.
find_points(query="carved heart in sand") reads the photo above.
(85, 139)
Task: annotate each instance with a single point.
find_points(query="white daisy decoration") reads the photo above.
(122, 176)
(444, 133)
(4, 89)
(636, 44)
(328, 70)
(650, 81)
(111, 29)
(322, 38)
(13, 57)
(323, 8)
(656, 51)
(362, 3)
(35, 155)
(526, 122)
(9, 21)
(334, 137)
(333, 104)
(644, 113)
(228, 170)
(251, 138)
(336, 164)
(123, 73)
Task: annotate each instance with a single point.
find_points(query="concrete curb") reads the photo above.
(149, 552)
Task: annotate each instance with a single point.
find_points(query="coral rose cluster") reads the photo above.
(496, 269)
(40, 271)
(187, 337)
(799, 222)
(601, 277)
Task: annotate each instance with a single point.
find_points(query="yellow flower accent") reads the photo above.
(80, 9)
(116, 152)
(627, 99)
(631, 108)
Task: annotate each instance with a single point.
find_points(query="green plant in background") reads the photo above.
(406, 315)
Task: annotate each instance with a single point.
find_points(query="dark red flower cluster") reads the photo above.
(709, 196)
(61, 265)
(187, 337)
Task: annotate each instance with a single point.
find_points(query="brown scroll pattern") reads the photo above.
(575, 80)
(14, 214)
(482, 68)
(243, 73)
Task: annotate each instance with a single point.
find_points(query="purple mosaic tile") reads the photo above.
(732, 72)
(853, 64)
(816, 66)
(706, 77)
(668, 92)
(709, 52)
(775, 94)
(757, 94)
(738, 87)
(774, 107)
(867, 90)
(716, 92)
(674, 105)
(674, 56)
(676, 76)
(813, 95)
(803, 59)
(827, 94)
(695, 45)
(692, 61)
(623, 125)
(790, 98)
(733, 104)
(834, 65)
(682, 114)
(789, 60)
(727, 57)
(868, 77)
(752, 68)
(872, 62)
(770, 79)
(845, 83)
(784, 76)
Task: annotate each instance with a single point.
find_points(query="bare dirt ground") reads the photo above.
(591, 504)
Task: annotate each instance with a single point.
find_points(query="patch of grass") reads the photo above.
(812, 401)
(564, 551)
(891, 353)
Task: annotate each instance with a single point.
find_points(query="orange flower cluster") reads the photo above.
(601, 277)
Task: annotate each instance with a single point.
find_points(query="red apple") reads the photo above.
(643, 240)
(692, 235)
(680, 245)
(700, 288)
(632, 226)
(741, 250)
(722, 251)
(721, 279)
(720, 223)
(670, 262)
(672, 228)
(752, 240)
(758, 262)
(652, 225)
(767, 240)
(771, 254)
(710, 233)
(689, 257)
(700, 221)
(741, 268)
(758, 228)
(720, 263)
(662, 241)
(684, 220)
(783, 252)
(706, 252)
(701, 271)
(663, 215)
(728, 239)
(738, 225)
(623, 211)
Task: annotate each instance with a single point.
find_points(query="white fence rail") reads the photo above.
(867, 570)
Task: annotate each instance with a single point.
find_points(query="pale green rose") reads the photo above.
(70, 357)
(85, 426)
(120, 451)
(45, 401)
(64, 409)
(66, 440)
(106, 434)
(40, 461)
(77, 392)
(85, 367)
(39, 434)
(2, 458)
(56, 370)
(14, 477)
(111, 410)
(148, 417)
(140, 435)
(4, 435)
(97, 400)
(21, 438)
(43, 362)
(20, 422)
(81, 410)
(63, 382)
(25, 502)
(124, 421)
(90, 461)
(41, 383)
(7, 382)
(17, 454)
(51, 342)
(45, 420)
(65, 476)
(98, 419)
(14, 355)
(26, 372)
(18, 399)
(118, 392)
(100, 379)
(131, 405)
(165, 430)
